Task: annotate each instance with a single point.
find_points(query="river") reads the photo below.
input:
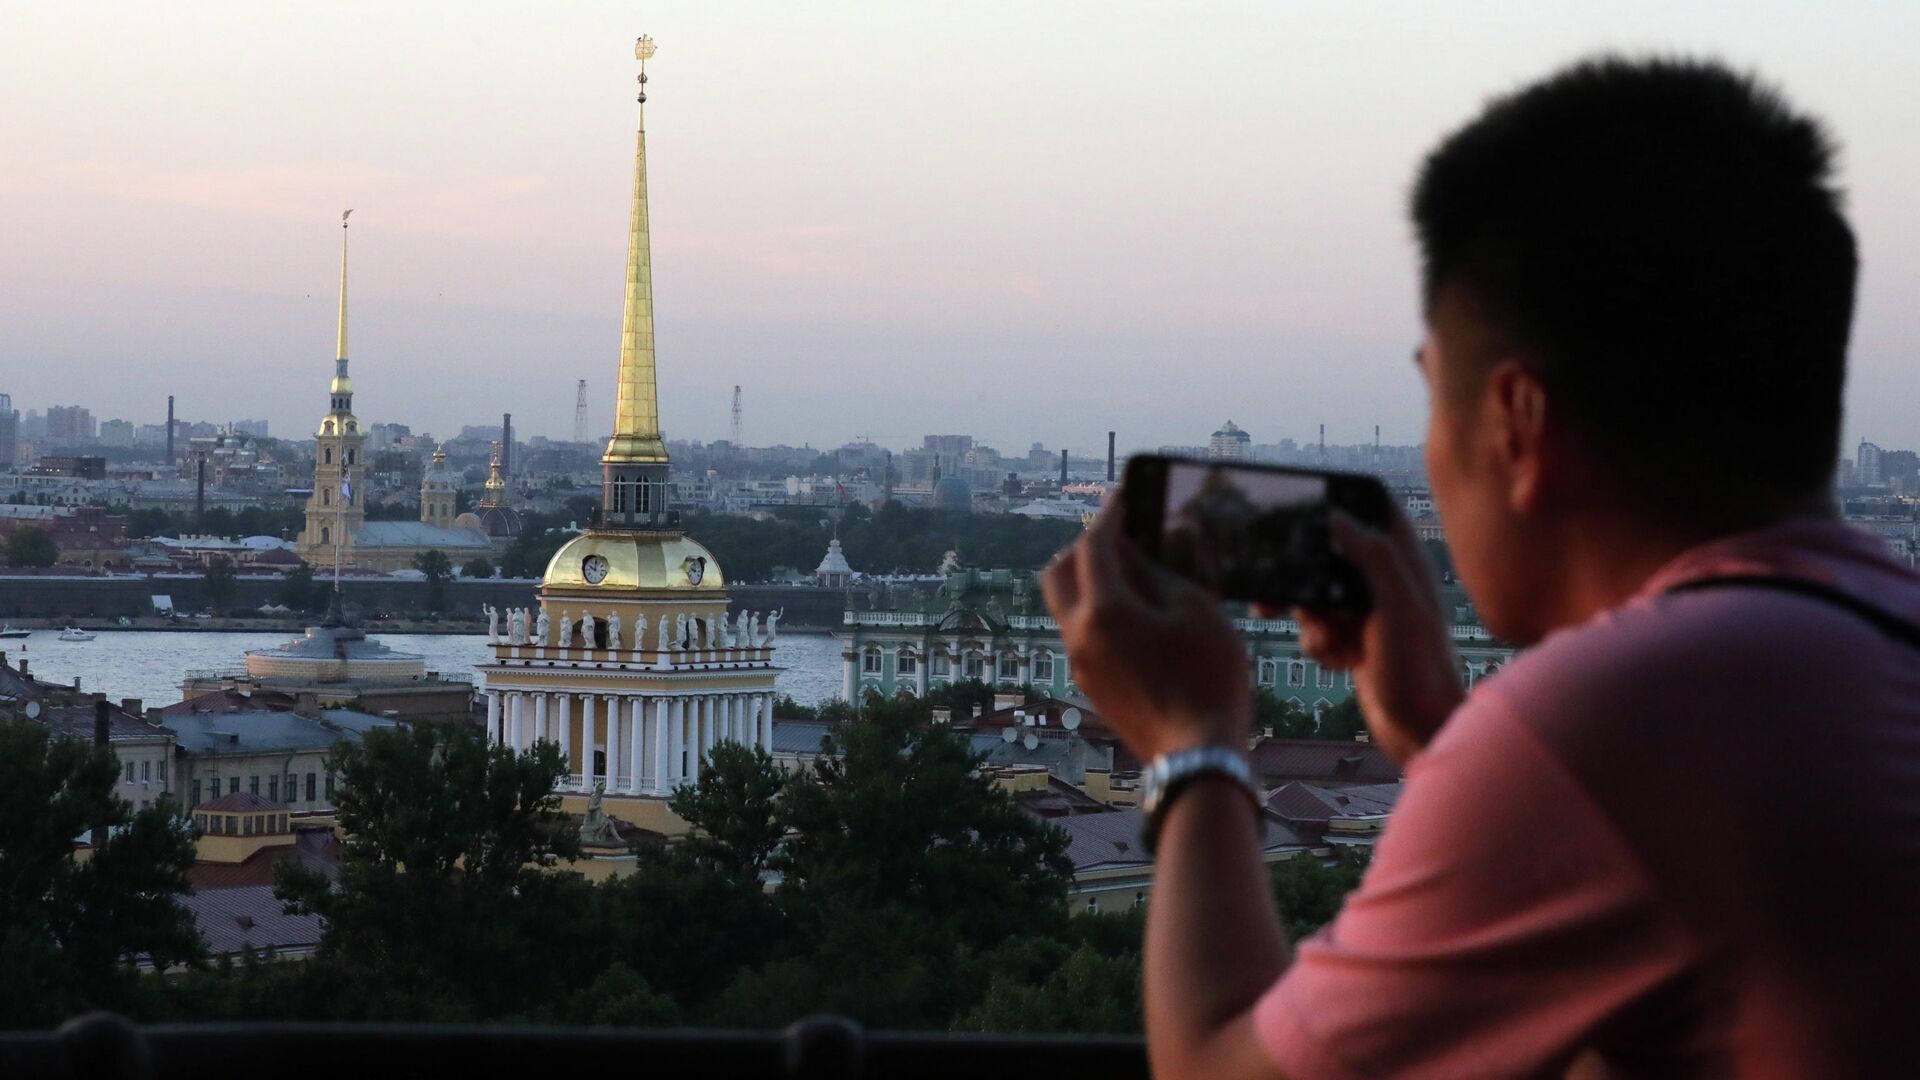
(149, 664)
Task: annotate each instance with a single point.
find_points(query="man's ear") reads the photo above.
(1517, 401)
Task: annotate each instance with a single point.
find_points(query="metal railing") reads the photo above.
(109, 1046)
(891, 618)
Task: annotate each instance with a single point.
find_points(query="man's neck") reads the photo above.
(1608, 558)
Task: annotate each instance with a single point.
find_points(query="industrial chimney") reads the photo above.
(169, 429)
(1063, 468)
(506, 444)
(1109, 457)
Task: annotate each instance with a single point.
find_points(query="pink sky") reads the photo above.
(1028, 222)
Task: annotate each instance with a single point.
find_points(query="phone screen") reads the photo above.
(1251, 532)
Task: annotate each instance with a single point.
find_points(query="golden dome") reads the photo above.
(636, 560)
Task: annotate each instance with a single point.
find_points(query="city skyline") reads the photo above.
(1092, 223)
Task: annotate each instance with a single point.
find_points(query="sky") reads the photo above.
(1027, 222)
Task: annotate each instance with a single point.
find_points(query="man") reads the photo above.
(1680, 833)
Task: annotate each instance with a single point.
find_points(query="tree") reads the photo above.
(904, 816)
(220, 586)
(296, 591)
(438, 568)
(445, 898)
(477, 567)
(68, 927)
(1310, 891)
(734, 810)
(31, 546)
(1085, 992)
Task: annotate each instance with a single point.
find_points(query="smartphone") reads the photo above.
(1255, 533)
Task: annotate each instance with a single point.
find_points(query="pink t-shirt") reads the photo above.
(1685, 835)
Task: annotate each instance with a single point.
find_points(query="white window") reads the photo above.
(976, 665)
(1268, 671)
(1296, 673)
(129, 772)
(1093, 905)
(1323, 677)
(906, 663)
(870, 661)
(1009, 667)
(942, 666)
(1043, 666)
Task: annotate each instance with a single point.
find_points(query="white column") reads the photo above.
(850, 674)
(636, 719)
(561, 728)
(539, 718)
(614, 719)
(586, 742)
(515, 703)
(657, 729)
(493, 716)
(766, 722)
(676, 741)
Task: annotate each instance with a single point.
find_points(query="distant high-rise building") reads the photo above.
(117, 433)
(69, 424)
(1866, 465)
(9, 431)
(255, 428)
(1229, 443)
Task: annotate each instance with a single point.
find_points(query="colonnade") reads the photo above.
(649, 743)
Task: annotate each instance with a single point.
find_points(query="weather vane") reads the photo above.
(643, 51)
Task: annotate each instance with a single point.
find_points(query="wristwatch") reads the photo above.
(1167, 775)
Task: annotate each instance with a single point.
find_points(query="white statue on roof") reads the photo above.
(541, 628)
(563, 634)
(493, 623)
(640, 631)
(613, 630)
(773, 623)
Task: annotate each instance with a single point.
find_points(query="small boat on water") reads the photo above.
(10, 632)
(74, 633)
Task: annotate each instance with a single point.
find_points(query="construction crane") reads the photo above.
(580, 412)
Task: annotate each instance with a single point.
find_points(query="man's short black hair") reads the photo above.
(1663, 240)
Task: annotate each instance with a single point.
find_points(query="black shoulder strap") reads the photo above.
(1895, 627)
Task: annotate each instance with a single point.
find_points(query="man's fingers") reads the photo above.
(1100, 566)
(1060, 585)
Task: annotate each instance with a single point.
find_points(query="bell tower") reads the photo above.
(335, 510)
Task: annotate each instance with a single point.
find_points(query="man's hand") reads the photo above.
(1152, 652)
(1401, 653)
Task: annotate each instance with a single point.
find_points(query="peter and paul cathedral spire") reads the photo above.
(342, 388)
(635, 463)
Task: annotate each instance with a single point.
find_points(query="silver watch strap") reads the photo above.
(1167, 775)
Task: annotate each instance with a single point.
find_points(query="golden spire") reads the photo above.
(636, 426)
(496, 485)
(341, 384)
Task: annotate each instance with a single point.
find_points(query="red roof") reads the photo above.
(1278, 761)
(315, 849)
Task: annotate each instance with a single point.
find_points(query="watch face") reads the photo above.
(594, 569)
(696, 569)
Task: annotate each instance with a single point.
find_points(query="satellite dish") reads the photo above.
(1070, 719)
(1009, 734)
(33, 710)
(1031, 741)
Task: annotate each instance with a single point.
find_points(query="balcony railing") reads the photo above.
(890, 618)
(104, 1045)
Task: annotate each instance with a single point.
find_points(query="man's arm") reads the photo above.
(1214, 939)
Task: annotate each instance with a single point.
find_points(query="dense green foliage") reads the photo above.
(69, 928)
(891, 882)
(437, 568)
(219, 576)
(477, 567)
(896, 539)
(284, 520)
(31, 546)
(1288, 719)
